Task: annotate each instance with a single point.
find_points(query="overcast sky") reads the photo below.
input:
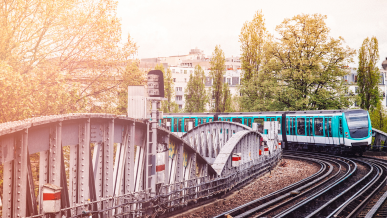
(173, 27)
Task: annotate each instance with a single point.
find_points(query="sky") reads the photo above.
(173, 27)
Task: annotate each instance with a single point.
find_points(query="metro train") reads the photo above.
(339, 132)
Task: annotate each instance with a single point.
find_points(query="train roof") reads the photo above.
(268, 112)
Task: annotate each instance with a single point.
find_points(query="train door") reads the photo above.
(301, 129)
(319, 130)
(341, 131)
(309, 121)
(291, 130)
(328, 130)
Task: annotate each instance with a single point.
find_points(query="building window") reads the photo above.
(185, 71)
(181, 71)
(179, 89)
(179, 98)
(173, 70)
(174, 80)
(356, 90)
(180, 106)
(381, 79)
(229, 81)
(185, 79)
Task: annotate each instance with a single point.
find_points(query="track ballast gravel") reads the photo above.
(283, 175)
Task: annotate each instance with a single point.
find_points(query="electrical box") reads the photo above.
(236, 159)
(51, 198)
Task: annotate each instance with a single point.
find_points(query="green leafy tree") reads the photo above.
(253, 38)
(195, 94)
(226, 105)
(217, 72)
(368, 74)
(309, 65)
(378, 117)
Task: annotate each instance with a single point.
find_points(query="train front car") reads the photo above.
(357, 130)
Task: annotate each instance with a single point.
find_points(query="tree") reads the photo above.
(378, 117)
(218, 68)
(309, 65)
(253, 38)
(225, 105)
(195, 94)
(368, 74)
(132, 76)
(69, 51)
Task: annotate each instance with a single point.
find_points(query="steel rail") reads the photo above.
(350, 171)
(377, 206)
(308, 191)
(373, 191)
(359, 193)
(282, 193)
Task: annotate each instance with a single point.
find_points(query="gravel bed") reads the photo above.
(379, 157)
(282, 176)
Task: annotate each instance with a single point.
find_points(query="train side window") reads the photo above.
(259, 122)
(237, 120)
(318, 126)
(300, 126)
(307, 127)
(210, 120)
(199, 121)
(341, 126)
(290, 126)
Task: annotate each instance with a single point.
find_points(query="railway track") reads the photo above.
(343, 187)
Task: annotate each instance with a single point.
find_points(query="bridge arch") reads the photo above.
(209, 138)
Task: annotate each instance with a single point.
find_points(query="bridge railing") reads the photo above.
(379, 141)
(177, 195)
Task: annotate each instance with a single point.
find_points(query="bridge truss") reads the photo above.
(102, 165)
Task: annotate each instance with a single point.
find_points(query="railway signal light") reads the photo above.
(155, 83)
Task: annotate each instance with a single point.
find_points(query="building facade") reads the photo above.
(182, 66)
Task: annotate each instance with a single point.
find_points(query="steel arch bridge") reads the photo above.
(108, 168)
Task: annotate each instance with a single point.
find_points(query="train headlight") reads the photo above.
(346, 133)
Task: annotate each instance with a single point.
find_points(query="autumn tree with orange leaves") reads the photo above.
(60, 56)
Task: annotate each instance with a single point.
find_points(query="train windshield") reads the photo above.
(357, 120)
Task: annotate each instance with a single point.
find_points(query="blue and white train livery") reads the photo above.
(333, 131)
